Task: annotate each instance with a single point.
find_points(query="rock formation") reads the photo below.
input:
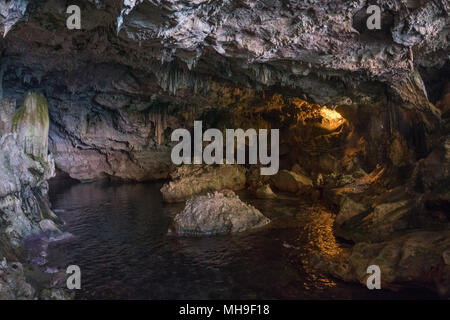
(418, 259)
(13, 284)
(265, 192)
(193, 180)
(290, 181)
(25, 167)
(217, 213)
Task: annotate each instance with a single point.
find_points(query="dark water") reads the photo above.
(124, 252)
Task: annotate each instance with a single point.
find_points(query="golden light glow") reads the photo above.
(319, 245)
(303, 112)
(331, 115)
(331, 119)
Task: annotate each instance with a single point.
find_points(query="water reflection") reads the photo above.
(122, 247)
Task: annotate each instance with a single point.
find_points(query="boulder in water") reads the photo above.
(217, 213)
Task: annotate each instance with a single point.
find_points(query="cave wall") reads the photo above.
(119, 86)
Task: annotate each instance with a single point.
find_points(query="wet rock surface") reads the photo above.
(217, 213)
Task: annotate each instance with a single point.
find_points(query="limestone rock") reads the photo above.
(191, 180)
(7, 110)
(265, 192)
(348, 209)
(31, 122)
(13, 284)
(56, 294)
(10, 13)
(124, 138)
(380, 222)
(217, 213)
(48, 226)
(415, 259)
(444, 103)
(25, 167)
(290, 181)
(446, 257)
(399, 153)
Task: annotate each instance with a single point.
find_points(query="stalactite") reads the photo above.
(171, 78)
(159, 120)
